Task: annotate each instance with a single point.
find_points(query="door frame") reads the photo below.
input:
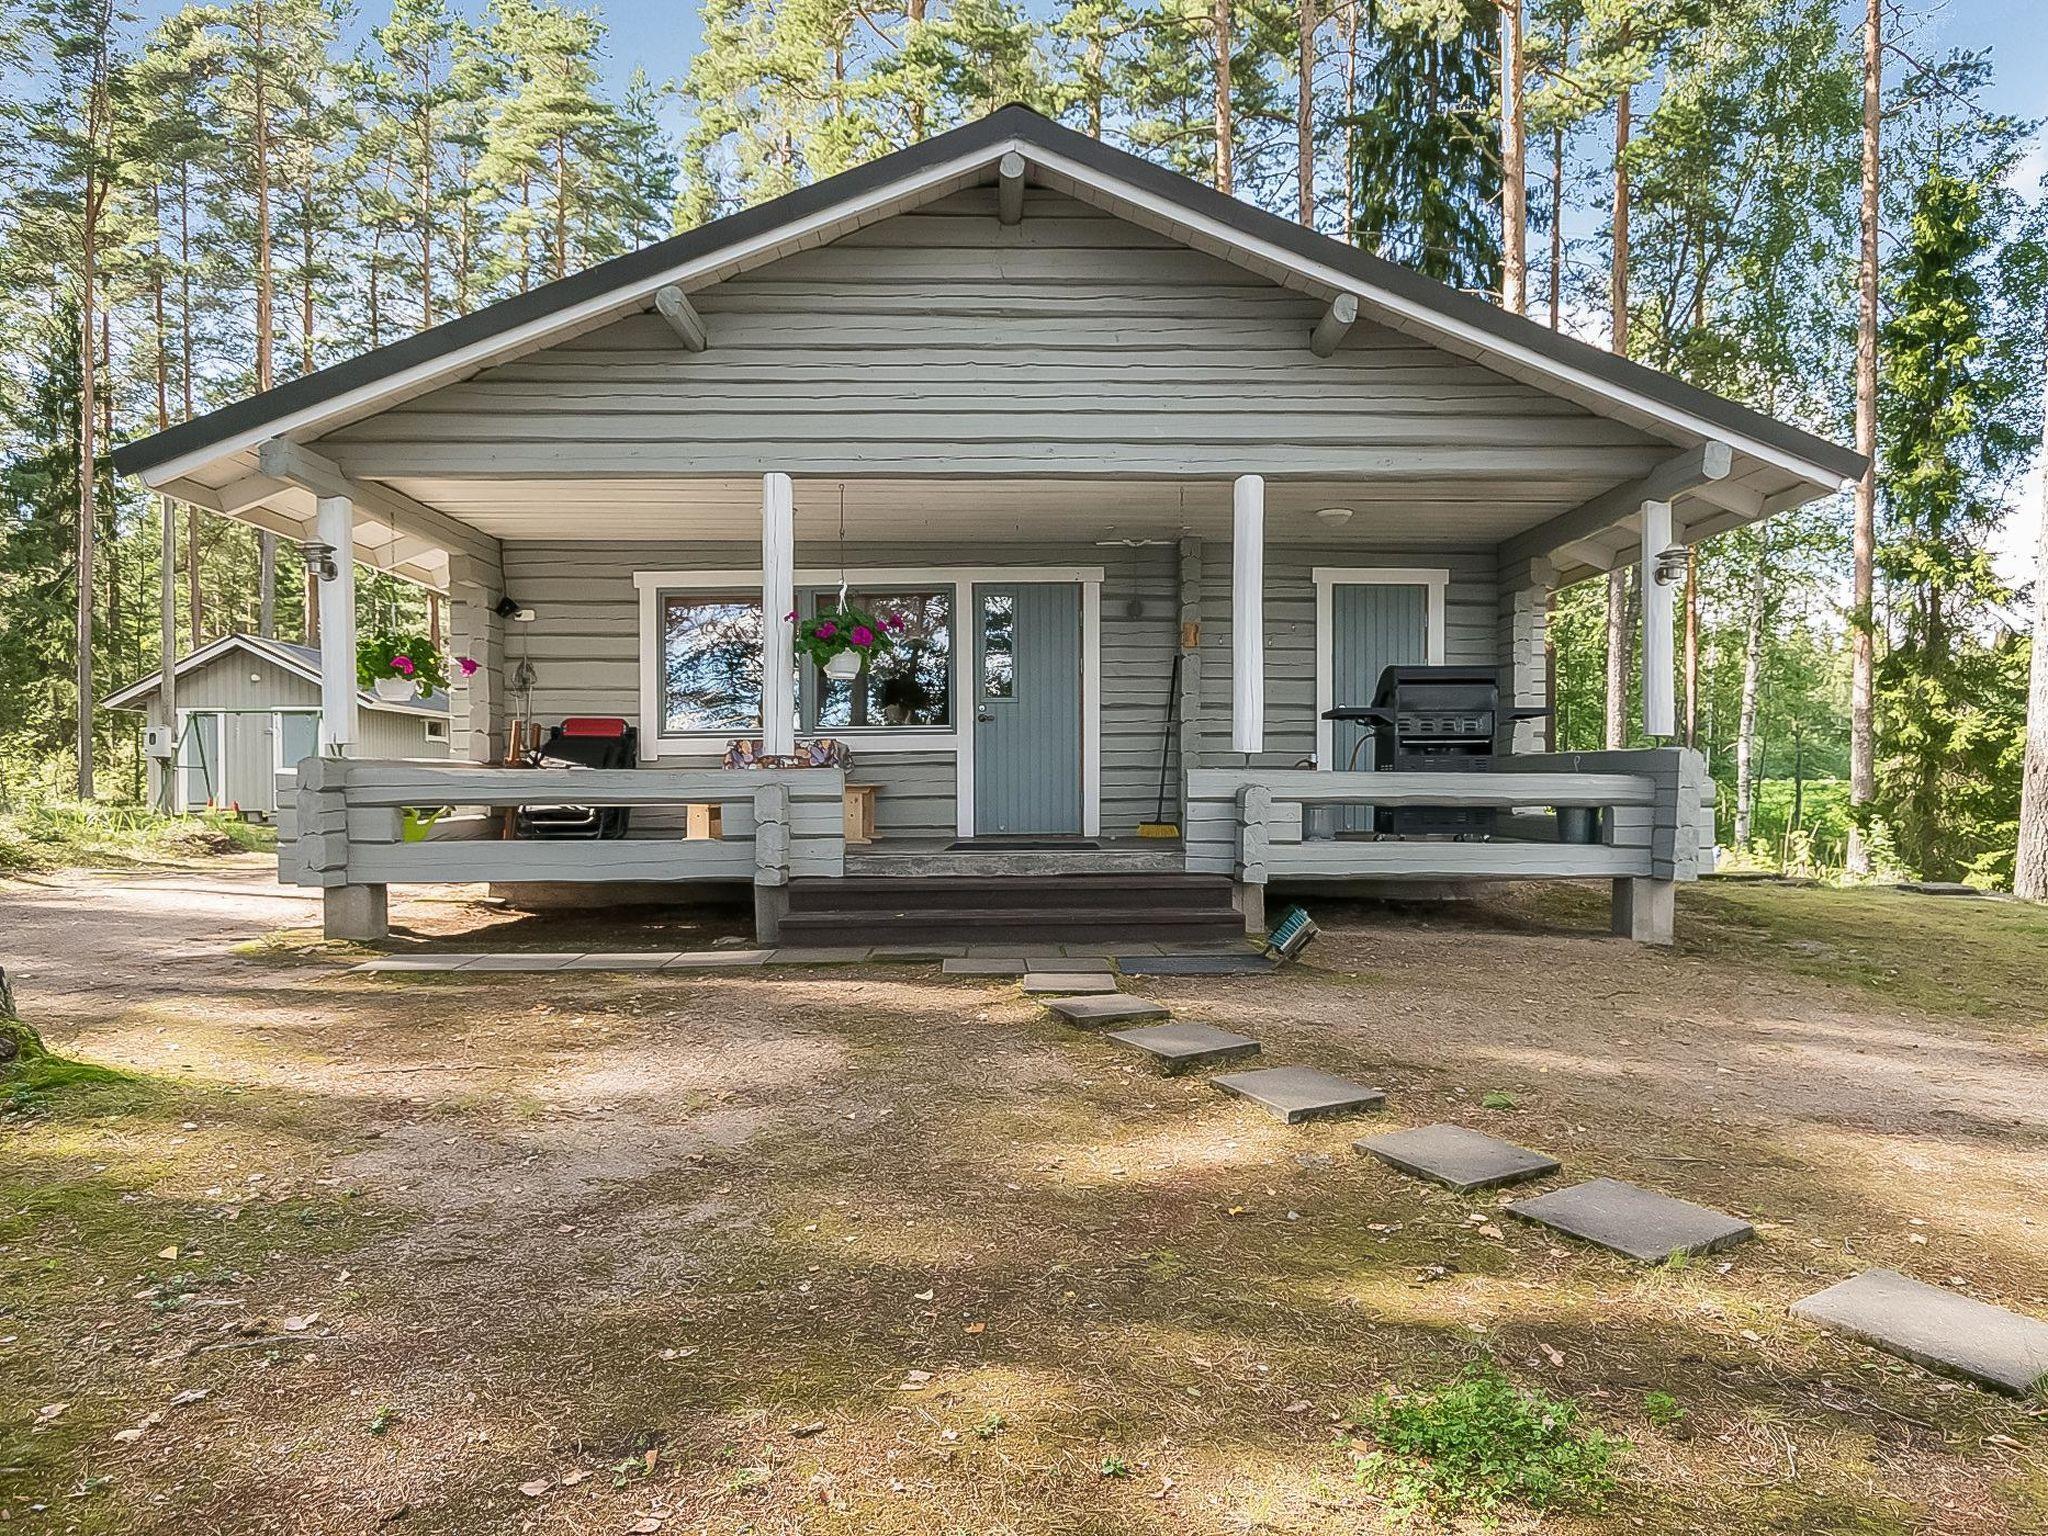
(958, 738)
(219, 770)
(1435, 579)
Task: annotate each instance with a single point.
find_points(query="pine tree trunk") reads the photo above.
(88, 452)
(2030, 869)
(1617, 579)
(1752, 687)
(1305, 116)
(266, 542)
(1863, 541)
(1350, 123)
(1557, 228)
(1224, 132)
(1514, 200)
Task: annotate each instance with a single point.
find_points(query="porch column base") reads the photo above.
(1645, 910)
(1251, 901)
(358, 912)
(771, 905)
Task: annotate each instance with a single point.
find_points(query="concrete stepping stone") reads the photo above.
(917, 954)
(623, 960)
(823, 955)
(1457, 1157)
(1930, 1326)
(1101, 1012)
(717, 959)
(1177, 1048)
(1067, 983)
(1634, 1221)
(393, 964)
(1069, 965)
(983, 965)
(1246, 964)
(1294, 1094)
(527, 962)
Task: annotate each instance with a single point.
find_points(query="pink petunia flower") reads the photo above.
(789, 617)
(468, 666)
(827, 630)
(894, 621)
(863, 636)
(402, 664)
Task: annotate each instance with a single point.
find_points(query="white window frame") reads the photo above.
(1435, 579)
(956, 739)
(277, 736)
(436, 729)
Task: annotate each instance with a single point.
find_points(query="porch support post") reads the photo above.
(778, 597)
(1645, 910)
(476, 709)
(1248, 615)
(1659, 602)
(162, 770)
(1525, 592)
(334, 522)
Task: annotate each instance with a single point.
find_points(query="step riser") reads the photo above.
(808, 931)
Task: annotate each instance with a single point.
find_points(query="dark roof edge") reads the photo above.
(1005, 123)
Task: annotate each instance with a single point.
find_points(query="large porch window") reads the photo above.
(711, 665)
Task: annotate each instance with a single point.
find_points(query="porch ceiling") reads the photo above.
(1015, 511)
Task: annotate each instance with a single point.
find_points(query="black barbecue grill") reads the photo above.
(1434, 720)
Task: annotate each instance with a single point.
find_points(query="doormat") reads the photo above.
(1023, 845)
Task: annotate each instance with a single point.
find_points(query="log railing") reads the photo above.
(340, 827)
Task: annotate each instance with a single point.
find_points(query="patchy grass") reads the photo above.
(880, 1250)
(1480, 1446)
(74, 834)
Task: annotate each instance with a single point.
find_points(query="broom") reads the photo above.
(1161, 827)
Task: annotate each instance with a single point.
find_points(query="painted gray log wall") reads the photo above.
(943, 342)
(584, 643)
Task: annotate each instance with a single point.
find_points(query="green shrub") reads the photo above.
(1481, 1445)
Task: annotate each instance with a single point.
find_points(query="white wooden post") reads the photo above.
(1659, 707)
(778, 599)
(334, 524)
(167, 689)
(1248, 614)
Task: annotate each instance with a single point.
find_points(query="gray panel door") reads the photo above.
(1027, 718)
(1373, 626)
(201, 773)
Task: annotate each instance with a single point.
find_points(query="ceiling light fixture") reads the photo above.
(1334, 517)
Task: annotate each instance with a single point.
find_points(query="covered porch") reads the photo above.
(1088, 655)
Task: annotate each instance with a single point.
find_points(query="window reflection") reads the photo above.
(998, 645)
(711, 663)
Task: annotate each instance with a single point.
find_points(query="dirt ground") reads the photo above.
(854, 1251)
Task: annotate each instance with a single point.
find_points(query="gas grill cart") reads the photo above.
(1434, 720)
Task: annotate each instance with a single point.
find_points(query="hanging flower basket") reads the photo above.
(398, 667)
(842, 640)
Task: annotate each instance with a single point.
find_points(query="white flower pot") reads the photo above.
(844, 666)
(395, 690)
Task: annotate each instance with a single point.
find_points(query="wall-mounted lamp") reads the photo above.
(319, 558)
(1668, 570)
(518, 612)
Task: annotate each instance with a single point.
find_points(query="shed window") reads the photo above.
(298, 738)
(710, 662)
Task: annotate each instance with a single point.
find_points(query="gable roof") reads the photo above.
(299, 660)
(1392, 292)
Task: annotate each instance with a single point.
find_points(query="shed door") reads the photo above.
(1027, 718)
(199, 762)
(1373, 626)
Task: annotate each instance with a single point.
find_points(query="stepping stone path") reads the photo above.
(1458, 1158)
(1068, 965)
(983, 965)
(1246, 964)
(1634, 1221)
(1100, 1012)
(530, 962)
(1936, 1328)
(827, 955)
(1062, 984)
(1177, 1048)
(1294, 1094)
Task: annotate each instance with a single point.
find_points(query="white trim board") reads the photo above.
(1330, 577)
(958, 738)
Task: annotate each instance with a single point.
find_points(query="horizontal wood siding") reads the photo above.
(1470, 634)
(941, 341)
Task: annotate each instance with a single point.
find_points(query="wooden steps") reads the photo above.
(1027, 910)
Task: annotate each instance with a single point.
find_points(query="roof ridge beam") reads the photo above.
(1675, 477)
(1010, 188)
(1334, 326)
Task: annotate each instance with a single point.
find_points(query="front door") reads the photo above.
(1027, 717)
(1374, 625)
(201, 773)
